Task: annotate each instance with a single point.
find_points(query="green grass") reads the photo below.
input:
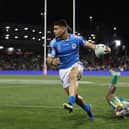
(36, 106)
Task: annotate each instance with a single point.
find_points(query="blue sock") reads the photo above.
(86, 107)
(71, 100)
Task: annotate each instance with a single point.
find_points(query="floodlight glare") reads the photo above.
(26, 36)
(26, 28)
(7, 27)
(117, 43)
(1, 47)
(10, 49)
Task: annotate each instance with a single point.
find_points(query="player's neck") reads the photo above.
(65, 36)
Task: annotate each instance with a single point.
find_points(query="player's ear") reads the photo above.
(65, 29)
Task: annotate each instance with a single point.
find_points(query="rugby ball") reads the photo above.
(100, 50)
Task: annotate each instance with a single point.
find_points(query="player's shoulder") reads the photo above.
(53, 42)
(77, 37)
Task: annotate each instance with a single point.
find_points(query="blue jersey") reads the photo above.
(67, 50)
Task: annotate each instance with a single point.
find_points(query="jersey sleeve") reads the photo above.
(82, 41)
(52, 49)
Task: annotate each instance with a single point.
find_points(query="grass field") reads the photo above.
(35, 102)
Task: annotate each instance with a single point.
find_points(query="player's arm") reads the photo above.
(91, 45)
(51, 59)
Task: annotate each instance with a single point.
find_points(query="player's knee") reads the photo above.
(79, 76)
(72, 77)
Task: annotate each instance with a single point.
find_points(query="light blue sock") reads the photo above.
(71, 100)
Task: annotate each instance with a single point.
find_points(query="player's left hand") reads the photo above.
(56, 61)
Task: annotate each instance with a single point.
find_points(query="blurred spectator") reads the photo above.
(35, 62)
(21, 62)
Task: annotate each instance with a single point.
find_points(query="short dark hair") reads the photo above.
(61, 22)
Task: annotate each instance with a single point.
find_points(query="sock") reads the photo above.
(114, 79)
(71, 100)
(86, 107)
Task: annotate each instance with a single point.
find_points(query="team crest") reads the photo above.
(74, 46)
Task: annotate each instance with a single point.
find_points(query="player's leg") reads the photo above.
(74, 75)
(64, 76)
(110, 93)
(111, 98)
(67, 105)
(79, 100)
(121, 109)
(72, 89)
(112, 87)
(85, 106)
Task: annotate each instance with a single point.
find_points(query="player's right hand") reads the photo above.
(56, 61)
(108, 50)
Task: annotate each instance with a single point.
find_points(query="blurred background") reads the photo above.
(26, 30)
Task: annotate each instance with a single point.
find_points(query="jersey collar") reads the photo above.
(59, 39)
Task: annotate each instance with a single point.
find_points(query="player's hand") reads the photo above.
(56, 61)
(108, 50)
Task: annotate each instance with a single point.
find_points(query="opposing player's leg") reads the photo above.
(120, 105)
(112, 86)
(113, 100)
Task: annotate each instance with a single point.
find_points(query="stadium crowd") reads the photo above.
(35, 62)
(21, 62)
(107, 63)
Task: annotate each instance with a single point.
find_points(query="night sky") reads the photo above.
(28, 12)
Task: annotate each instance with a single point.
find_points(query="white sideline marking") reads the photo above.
(47, 82)
(37, 106)
(33, 106)
(20, 81)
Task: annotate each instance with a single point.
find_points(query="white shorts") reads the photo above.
(64, 73)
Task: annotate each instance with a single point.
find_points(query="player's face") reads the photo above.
(118, 111)
(59, 30)
(118, 108)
